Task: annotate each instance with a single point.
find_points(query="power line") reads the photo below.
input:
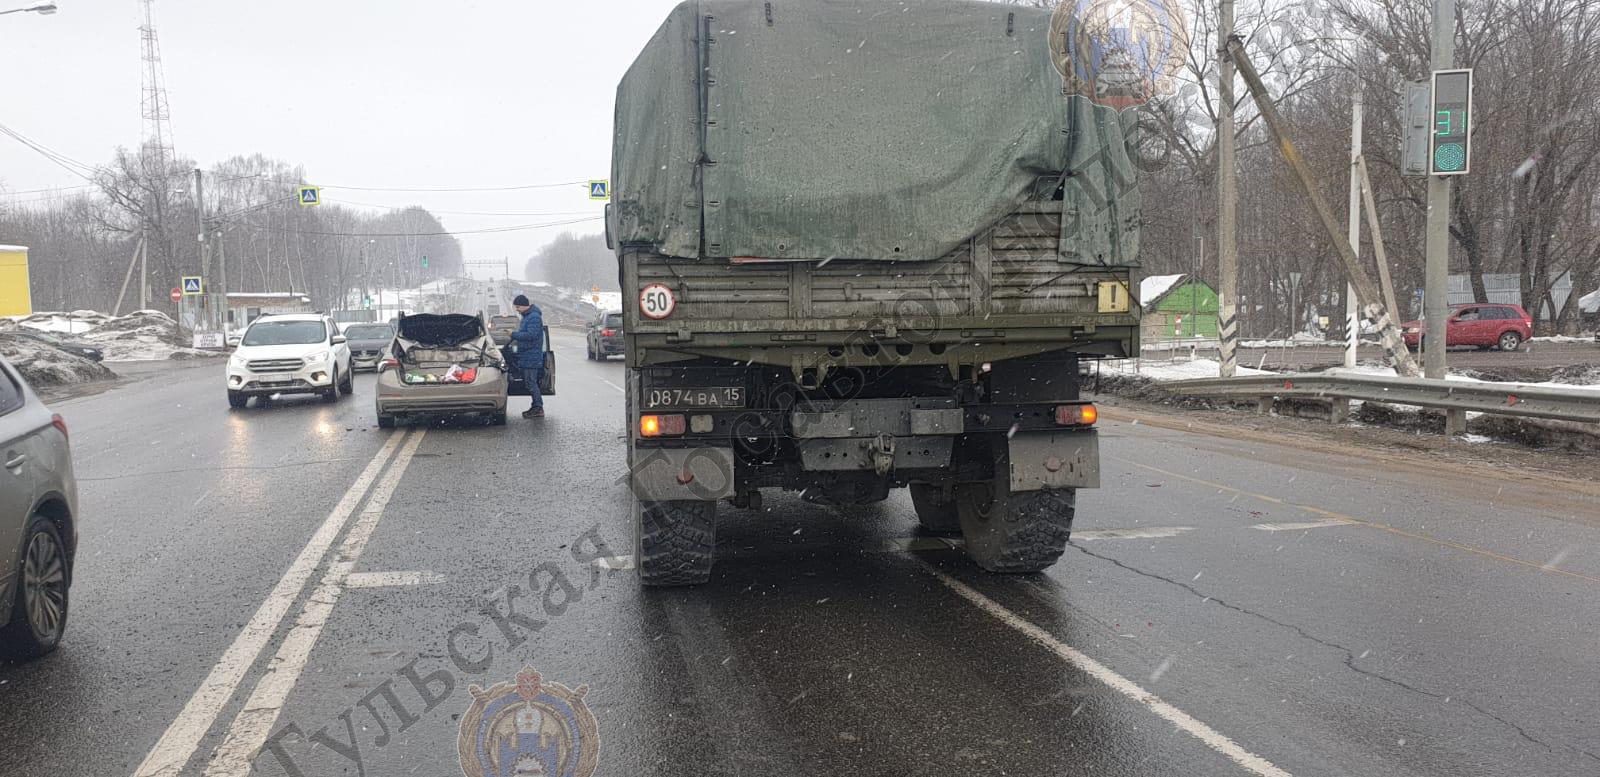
(487, 230)
(61, 160)
(446, 189)
(47, 189)
(457, 212)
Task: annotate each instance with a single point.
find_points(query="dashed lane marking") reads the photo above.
(180, 740)
(391, 579)
(254, 722)
(613, 385)
(1181, 720)
(1299, 526)
(1152, 533)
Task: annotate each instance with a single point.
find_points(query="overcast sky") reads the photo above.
(371, 93)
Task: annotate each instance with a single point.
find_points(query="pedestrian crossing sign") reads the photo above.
(599, 190)
(193, 286)
(309, 196)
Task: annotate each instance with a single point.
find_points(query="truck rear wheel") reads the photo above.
(1014, 531)
(674, 541)
(936, 508)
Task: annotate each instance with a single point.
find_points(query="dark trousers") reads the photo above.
(531, 375)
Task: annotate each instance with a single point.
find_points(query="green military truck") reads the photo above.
(864, 246)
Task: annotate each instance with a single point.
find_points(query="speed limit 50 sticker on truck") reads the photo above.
(656, 301)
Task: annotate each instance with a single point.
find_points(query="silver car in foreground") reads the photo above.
(38, 520)
(441, 365)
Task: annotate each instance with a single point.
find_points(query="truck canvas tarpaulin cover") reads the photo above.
(825, 129)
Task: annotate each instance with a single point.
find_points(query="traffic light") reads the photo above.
(1450, 149)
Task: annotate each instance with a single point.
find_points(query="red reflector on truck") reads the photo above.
(1077, 415)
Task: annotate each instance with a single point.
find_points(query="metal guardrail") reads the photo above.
(1572, 404)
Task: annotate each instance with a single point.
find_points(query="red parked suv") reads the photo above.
(1505, 327)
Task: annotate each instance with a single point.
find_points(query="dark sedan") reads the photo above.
(367, 343)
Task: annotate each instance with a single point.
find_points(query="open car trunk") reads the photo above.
(441, 348)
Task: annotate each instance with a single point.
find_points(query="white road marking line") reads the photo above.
(178, 743)
(1299, 526)
(613, 385)
(254, 722)
(1131, 534)
(391, 579)
(618, 563)
(1181, 720)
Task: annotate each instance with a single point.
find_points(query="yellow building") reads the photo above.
(16, 299)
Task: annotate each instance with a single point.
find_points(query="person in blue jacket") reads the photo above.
(530, 351)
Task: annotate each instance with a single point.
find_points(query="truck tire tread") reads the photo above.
(677, 541)
(1026, 531)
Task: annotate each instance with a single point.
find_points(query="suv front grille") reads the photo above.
(276, 365)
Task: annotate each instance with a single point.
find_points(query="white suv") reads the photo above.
(289, 354)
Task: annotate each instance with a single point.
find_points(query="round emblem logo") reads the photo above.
(531, 728)
(1119, 53)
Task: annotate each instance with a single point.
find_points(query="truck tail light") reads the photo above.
(661, 425)
(1077, 415)
(608, 332)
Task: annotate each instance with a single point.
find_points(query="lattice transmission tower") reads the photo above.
(153, 102)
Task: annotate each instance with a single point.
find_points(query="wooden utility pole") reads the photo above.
(1368, 199)
(1227, 201)
(133, 264)
(1366, 290)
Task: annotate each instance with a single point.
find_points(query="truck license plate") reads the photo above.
(722, 396)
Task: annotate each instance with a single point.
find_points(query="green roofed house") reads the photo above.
(1177, 306)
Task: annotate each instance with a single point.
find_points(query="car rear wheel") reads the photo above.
(1510, 341)
(237, 400)
(39, 608)
(590, 348)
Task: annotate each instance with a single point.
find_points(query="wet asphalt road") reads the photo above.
(1304, 612)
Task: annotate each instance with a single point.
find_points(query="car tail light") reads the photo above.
(608, 332)
(1077, 415)
(389, 363)
(61, 424)
(661, 425)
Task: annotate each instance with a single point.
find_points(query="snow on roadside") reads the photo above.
(46, 366)
(1562, 339)
(143, 335)
(75, 322)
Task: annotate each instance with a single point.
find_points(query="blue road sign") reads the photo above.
(192, 286)
(599, 190)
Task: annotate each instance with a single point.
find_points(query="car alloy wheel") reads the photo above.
(44, 585)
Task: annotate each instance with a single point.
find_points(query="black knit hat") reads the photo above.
(520, 301)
